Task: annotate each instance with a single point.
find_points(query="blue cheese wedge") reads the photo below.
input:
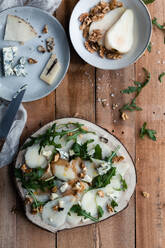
(9, 53)
(19, 69)
(51, 70)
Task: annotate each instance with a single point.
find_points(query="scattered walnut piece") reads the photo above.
(54, 189)
(88, 47)
(117, 159)
(32, 61)
(41, 49)
(124, 116)
(100, 193)
(45, 29)
(146, 194)
(109, 208)
(82, 175)
(55, 208)
(50, 44)
(101, 51)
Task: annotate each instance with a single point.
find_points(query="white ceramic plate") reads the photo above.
(142, 34)
(36, 88)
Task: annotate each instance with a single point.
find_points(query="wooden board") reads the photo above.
(89, 93)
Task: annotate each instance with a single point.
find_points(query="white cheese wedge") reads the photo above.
(18, 29)
(106, 23)
(120, 36)
(9, 53)
(51, 70)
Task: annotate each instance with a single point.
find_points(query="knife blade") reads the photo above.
(9, 116)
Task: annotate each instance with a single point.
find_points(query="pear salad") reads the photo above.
(72, 173)
(108, 29)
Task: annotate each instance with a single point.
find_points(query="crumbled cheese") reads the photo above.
(103, 168)
(91, 152)
(47, 154)
(61, 203)
(64, 187)
(63, 154)
(19, 69)
(53, 196)
(87, 179)
(9, 53)
(78, 186)
(71, 152)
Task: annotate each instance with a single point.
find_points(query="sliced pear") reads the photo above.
(73, 218)
(62, 170)
(106, 23)
(120, 35)
(57, 218)
(88, 202)
(18, 29)
(33, 159)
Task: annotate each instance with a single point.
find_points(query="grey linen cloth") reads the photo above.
(11, 145)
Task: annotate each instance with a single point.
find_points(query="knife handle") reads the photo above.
(2, 141)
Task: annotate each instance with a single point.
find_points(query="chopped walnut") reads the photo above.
(113, 55)
(101, 51)
(45, 29)
(86, 32)
(82, 175)
(32, 61)
(83, 16)
(106, 10)
(55, 208)
(24, 168)
(79, 187)
(100, 193)
(40, 209)
(50, 44)
(117, 159)
(70, 134)
(56, 157)
(28, 200)
(109, 208)
(34, 210)
(146, 194)
(41, 49)
(124, 116)
(95, 36)
(97, 17)
(54, 189)
(88, 47)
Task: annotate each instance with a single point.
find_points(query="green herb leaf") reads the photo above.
(137, 89)
(161, 76)
(36, 204)
(103, 180)
(81, 150)
(80, 212)
(114, 204)
(124, 185)
(148, 1)
(113, 154)
(159, 26)
(149, 132)
(33, 179)
(149, 47)
(100, 212)
(98, 152)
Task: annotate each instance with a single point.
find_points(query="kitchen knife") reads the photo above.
(10, 114)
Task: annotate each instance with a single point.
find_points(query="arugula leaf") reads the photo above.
(159, 26)
(33, 179)
(113, 154)
(149, 47)
(160, 76)
(103, 180)
(100, 211)
(81, 150)
(124, 185)
(148, 1)
(98, 152)
(80, 212)
(137, 89)
(149, 132)
(114, 204)
(36, 204)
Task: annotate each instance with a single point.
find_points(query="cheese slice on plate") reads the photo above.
(51, 70)
(18, 29)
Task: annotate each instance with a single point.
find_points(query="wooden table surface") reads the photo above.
(142, 224)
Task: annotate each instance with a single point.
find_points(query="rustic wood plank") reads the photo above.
(76, 97)
(150, 158)
(27, 234)
(114, 231)
(7, 202)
